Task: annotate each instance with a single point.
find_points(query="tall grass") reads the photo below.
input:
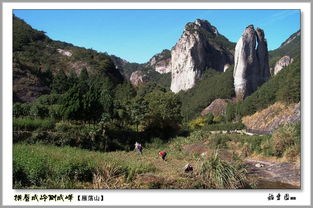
(218, 174)
(41, 166)
(30, 124)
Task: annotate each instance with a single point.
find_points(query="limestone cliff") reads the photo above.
(200, 47)
(281, 63)
(251, 62)
(136, 78)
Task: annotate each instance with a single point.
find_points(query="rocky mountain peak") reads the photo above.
(200, 24)
(260, 34)
(200, 47)
(251, 62)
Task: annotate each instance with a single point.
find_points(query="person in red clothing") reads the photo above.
(162, 154)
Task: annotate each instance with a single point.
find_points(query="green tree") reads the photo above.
(230, 112)
(164, 111)
(72, 106)
(60, 83)
(106, 101)
(138, 110)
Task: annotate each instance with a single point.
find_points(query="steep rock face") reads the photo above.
(273, 116)
(262, 57)
(281, 63)
(200, 47)
(136, 78)
(217, 107)
(251, 65)
(161, 62)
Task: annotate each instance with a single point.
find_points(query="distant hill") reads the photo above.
(37, 59)
(290, 47)
(149, 71)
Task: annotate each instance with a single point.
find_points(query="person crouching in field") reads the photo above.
(162, 154)
(138, 148)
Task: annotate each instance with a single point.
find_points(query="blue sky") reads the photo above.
(136, 35)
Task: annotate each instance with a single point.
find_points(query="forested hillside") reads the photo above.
(39, 63)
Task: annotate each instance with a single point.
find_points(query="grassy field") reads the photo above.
(216, 160)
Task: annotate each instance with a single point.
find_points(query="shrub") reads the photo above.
(63, 126)
(37, 110)
(218, 119)
(224, 126)
(50, 99)
(291, 153)
(55, 111)
(219, 141)
(197, 123)
(19, 136)
(20, 110)
(209, 118)
(216, 173)
(285, 137)
(246, 150)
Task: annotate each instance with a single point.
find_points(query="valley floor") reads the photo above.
(129, 170)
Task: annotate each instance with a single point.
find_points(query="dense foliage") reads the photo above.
(213, 85)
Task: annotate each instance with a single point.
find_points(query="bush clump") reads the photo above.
(286, 137)
(197, 123)
(218, 174)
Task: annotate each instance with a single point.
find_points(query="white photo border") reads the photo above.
(161, 197)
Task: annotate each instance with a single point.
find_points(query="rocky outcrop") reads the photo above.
(200, 47)
(251, 62)
(161, 62)
(64, 52)
(136, 78)
(273, 117)
(281, 63)
(217, 107)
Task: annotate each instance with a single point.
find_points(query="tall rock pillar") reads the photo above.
(251, 62)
